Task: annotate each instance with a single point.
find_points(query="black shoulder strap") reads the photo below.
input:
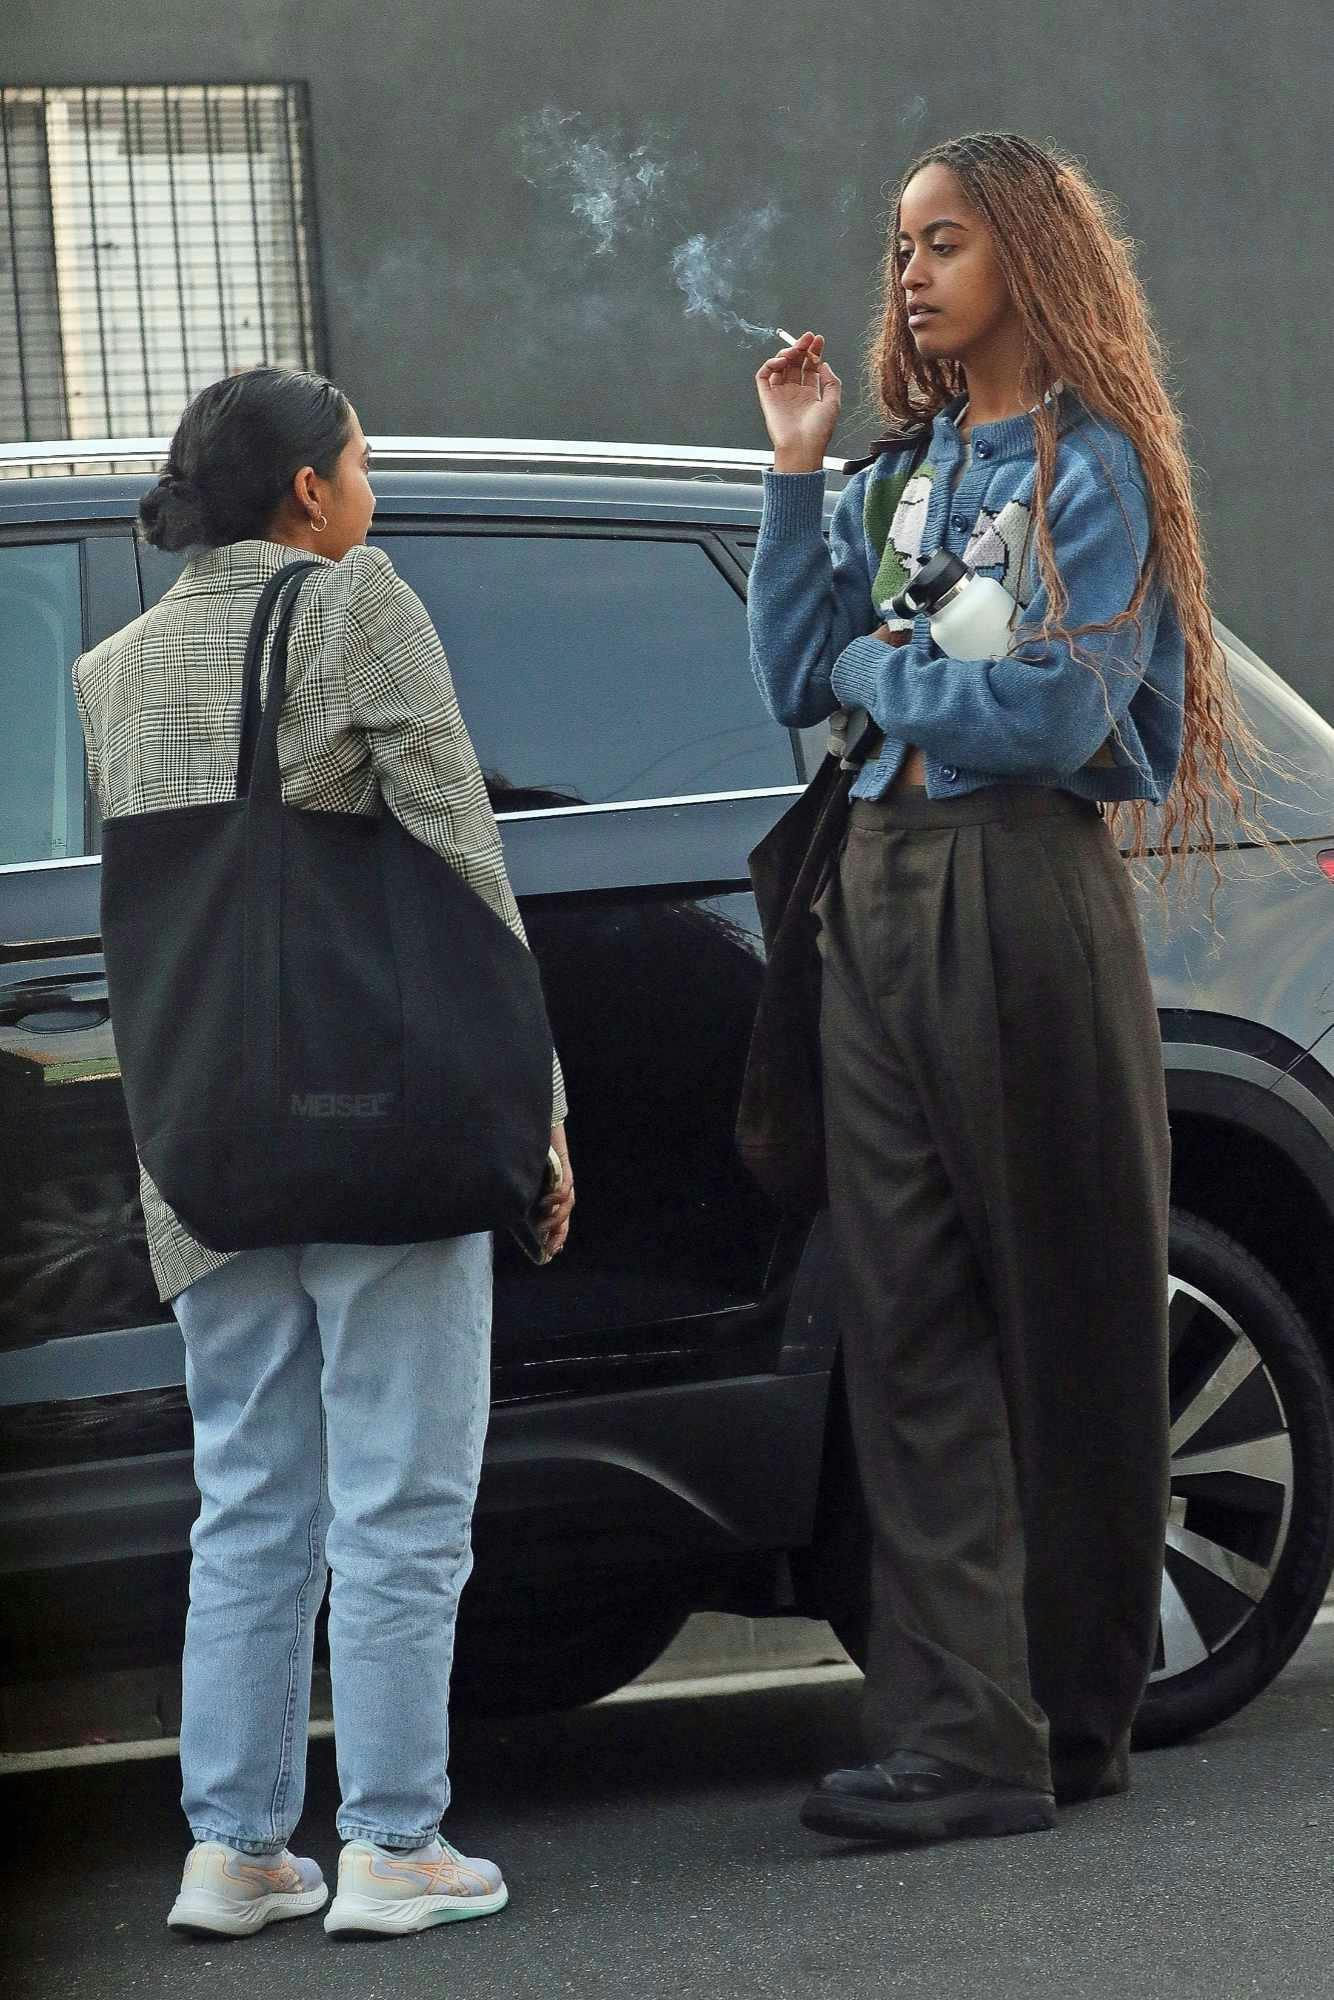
(254, 651)
(919, 438)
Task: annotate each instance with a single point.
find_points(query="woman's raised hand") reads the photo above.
(800, 397)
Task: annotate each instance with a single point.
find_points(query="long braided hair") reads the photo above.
(1086, 324)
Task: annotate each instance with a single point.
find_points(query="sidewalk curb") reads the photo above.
(716, 1643)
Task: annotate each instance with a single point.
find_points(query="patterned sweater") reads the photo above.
(1104, 723)
(370, 714)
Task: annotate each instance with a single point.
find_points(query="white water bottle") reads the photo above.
(970, 615)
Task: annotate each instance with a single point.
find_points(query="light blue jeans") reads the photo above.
(340, 1395)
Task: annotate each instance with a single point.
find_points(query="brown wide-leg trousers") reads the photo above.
(998, 1177)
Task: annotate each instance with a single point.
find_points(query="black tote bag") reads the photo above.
(325, 1034)
(780, 1118)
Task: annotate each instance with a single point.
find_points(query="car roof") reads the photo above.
(88, 479)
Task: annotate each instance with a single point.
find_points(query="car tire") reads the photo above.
(1251, 1398)
(524, 1651)
(1251, 1538)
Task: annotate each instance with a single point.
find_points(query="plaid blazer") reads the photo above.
(370, 714)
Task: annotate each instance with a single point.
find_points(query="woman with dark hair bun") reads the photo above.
(235, 454)
(339, 1392)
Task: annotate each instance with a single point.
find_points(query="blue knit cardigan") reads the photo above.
(1039, 715)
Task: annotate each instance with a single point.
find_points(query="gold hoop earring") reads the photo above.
(320, 525)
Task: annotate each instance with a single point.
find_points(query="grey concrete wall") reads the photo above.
(502, 187)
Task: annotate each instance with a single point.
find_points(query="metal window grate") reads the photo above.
(152, 239)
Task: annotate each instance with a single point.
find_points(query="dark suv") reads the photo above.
(668, 1430)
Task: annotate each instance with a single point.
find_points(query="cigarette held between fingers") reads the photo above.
(791, 340)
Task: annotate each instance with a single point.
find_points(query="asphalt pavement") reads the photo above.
(652, 1849)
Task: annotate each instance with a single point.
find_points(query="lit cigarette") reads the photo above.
(791, 340)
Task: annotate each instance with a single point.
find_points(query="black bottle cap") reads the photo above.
(938, 574)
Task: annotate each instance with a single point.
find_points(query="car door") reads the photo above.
(603, 674)
(72, 1257)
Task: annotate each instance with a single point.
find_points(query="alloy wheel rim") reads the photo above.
(1232, 1483)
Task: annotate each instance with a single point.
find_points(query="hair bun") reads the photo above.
(174, 514)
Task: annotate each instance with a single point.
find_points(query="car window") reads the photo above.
(158, 570)
(41, 742)
(591, 669)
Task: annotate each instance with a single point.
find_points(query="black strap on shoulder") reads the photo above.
(919, 437)
(250, 696)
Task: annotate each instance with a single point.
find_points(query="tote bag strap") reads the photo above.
(259, 785)
(254, 654)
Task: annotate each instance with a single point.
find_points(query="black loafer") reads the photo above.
(906, 1798)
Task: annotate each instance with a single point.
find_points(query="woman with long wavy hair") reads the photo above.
(995, 1123)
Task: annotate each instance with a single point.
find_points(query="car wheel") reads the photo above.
(1250, 1537)
(523, 1651)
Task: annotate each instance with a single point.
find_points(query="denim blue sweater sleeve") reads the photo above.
(1041, 708)
(807, 602)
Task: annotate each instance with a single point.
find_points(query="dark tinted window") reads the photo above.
(158, 570)
(602, 669)
(41, 742)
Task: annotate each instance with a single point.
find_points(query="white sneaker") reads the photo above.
(232, 1893)
(387, 1893)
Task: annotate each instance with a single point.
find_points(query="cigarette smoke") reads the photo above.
(910, 118)
(606, 190)
(616, 192)
(708, 269)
